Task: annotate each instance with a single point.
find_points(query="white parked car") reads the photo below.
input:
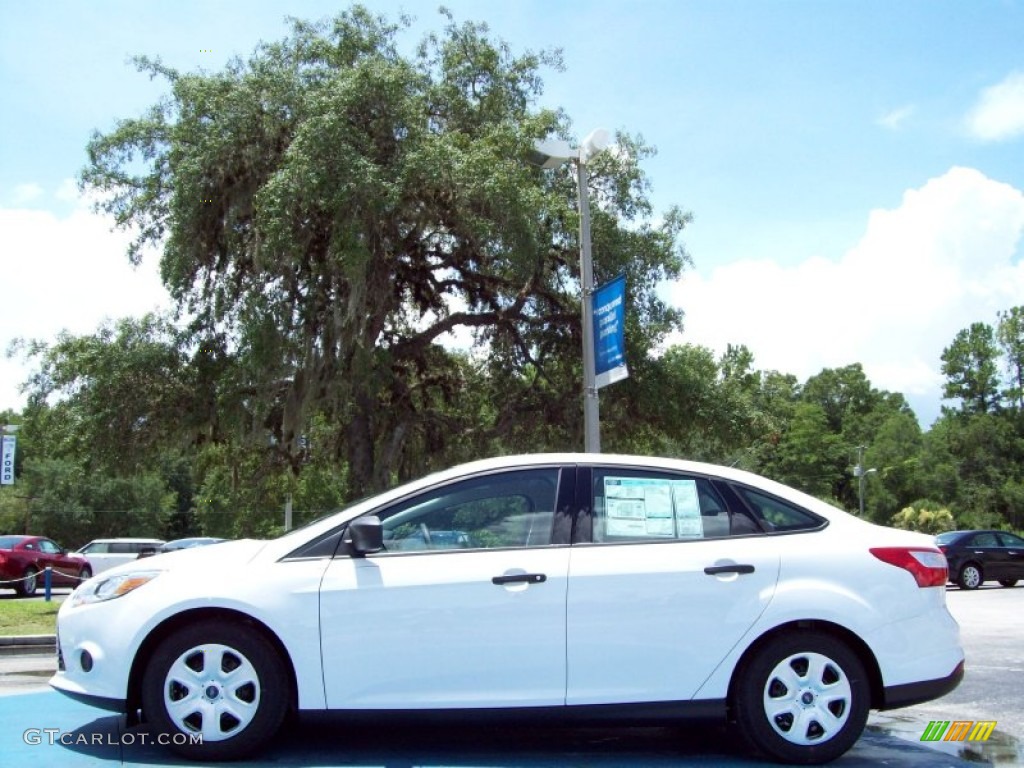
(106, 553)
(581, 586)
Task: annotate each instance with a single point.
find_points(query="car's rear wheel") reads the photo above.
(1008, 582)
(801, 698)
(224, 682)
(29, 582)
(971, 576)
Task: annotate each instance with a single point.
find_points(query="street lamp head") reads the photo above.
(596, 141)
(551, 153)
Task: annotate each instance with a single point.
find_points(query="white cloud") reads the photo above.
(946, 257)
(26, 193)
(894, 119)
(999, 113)
(67, 192)
(65, 273)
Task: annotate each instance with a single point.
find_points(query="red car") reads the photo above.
(24, 558)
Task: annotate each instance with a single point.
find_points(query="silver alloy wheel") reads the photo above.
(807, 698)
(212, 690)
(31, 583)
(971, 576)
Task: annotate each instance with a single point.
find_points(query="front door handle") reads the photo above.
(520, 578)
(714, 570)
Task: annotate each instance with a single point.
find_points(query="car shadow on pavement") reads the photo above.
(321, 741)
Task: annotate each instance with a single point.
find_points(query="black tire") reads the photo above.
(1008, 582)
(29, 583)
(971, 576)
(204, 661)
(822, 711)
(84, 574)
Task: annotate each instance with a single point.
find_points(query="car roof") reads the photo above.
(500, 463)
(126, 540)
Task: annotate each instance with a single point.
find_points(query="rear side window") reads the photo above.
(639, 505)
(984, 540)
(777, 515)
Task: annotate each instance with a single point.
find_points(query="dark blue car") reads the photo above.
(978, 556)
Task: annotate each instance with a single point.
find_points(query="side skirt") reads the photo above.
(639, 714)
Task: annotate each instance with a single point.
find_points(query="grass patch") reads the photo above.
(27, 617)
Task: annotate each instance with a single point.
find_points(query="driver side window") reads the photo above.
(508, 509)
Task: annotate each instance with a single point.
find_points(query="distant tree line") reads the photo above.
(109, 447)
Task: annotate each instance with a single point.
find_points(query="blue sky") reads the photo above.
(855, 169)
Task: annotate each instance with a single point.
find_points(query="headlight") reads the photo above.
(99, 590)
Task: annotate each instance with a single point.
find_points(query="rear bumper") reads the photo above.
(905, 695)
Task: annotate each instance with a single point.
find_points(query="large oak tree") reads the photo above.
(328, 210)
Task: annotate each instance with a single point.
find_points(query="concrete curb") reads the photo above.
(28, 644)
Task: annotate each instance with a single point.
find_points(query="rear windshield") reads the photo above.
(947, 537)
(9, 542)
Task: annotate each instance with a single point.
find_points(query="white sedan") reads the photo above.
(577, 586)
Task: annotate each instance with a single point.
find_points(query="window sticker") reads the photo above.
(688, 521)
(652, 507)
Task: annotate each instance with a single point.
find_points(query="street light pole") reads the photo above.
(591, 403)
(551, 154)
(860, 473)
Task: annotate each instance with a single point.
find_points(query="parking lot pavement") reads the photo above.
(45, 729)
(25, 672)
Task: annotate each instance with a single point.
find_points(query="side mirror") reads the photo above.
(365, 536)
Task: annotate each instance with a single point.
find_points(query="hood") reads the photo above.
(221, 555)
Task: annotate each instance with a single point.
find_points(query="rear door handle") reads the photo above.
(714, 570)
(520, 578)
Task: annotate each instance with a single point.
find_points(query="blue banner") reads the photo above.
(7, 459)
(610, 332)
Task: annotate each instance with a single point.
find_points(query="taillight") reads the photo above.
(927, 566)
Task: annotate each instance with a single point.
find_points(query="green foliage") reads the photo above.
(969, 365)
(932, 521)
(331, 209)
(1010, 334)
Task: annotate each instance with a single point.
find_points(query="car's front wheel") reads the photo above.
(218, 690)
(29, 582)
(84, 575)
(801, 698)
(1008, 582)
(970, 577)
